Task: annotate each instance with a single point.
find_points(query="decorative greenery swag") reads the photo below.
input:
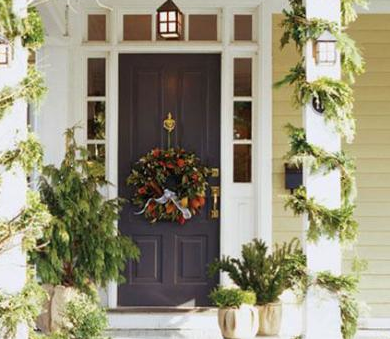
(336, 97)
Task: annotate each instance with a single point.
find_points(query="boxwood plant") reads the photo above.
(223, 297)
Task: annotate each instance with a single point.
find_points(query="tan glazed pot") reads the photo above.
(270, 318)
(238, 323)
(51, 319)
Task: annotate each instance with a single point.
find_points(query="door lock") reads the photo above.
(215, 193)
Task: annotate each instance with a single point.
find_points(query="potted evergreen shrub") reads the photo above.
(83, 247)
(268, 275)
(237, 318)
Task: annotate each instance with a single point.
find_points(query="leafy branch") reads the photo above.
(28, 154)
(23, 307)
(303, 153)
(323, 221)
(31, 89)
(336, 96)
(30, 29)
(345, 287)
(30, 223)
(348, 12)
(301, 30)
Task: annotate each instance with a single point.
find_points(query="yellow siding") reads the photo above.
(371, 149)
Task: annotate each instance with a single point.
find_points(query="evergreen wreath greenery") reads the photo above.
(323, 221)
(83, 244)
(304, 154)
(31, 89)
(174, 167)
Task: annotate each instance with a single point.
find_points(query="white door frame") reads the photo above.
(246, 209)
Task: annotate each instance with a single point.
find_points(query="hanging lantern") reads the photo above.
(5, 49)
(169, 21)
(325, 49)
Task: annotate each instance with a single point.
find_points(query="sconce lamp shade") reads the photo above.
(325, 49)
(169, 21)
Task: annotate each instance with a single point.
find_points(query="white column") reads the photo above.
(263, 156)
(13, 127)
(322, 313)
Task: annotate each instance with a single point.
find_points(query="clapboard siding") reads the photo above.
(371, 150)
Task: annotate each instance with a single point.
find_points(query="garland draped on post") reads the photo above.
(31, 89)
(29, 223)
(336, 97)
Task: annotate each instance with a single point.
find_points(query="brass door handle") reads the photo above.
(215, 193)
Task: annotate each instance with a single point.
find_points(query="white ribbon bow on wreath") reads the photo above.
(168, 196)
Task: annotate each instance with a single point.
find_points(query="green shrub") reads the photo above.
(232, 297)
(84, 246)
(83, 319)
(268, 275)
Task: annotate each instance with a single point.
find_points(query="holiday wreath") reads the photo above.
(169, 185)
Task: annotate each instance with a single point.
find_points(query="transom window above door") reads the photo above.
(202, 26)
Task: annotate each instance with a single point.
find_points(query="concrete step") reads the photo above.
(210, 334)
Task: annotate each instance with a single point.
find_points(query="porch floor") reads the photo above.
(209, 334)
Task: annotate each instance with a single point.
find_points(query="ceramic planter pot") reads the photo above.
(51, 319)
(238, 323)
(270, 318)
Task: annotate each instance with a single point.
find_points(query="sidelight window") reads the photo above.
(96, 109)
(242, 120)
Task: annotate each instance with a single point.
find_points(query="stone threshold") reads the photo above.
(162, 310)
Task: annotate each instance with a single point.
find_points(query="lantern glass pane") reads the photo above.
(163, 27)
(326, 52)
(172, 27)
(172, 16)
(163, 16)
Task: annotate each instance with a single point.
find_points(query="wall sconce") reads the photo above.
(325, 49)
(5, 51)
(318, 106)
(293, 177)
(169, 21)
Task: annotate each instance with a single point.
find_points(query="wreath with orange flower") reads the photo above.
(175, 171)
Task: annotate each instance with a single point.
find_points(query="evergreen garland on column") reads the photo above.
(337, 99)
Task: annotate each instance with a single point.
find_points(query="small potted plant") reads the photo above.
(237, 318)
(268, 275)
(82, 247)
